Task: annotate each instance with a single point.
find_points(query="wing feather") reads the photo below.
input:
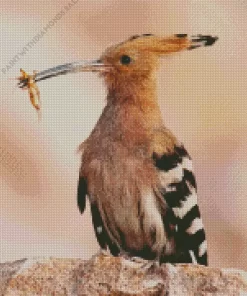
(81, 194)
(178, 187)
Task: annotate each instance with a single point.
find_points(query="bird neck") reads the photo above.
(133, 117)
(139, 93)
(135, 103)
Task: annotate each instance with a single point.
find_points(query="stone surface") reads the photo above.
(107, 275)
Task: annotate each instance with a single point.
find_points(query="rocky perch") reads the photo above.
(107, 275)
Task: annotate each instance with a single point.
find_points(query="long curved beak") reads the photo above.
(80, 66)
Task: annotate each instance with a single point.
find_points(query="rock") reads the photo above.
(115, 276)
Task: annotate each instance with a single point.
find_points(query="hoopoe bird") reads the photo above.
(136, 174)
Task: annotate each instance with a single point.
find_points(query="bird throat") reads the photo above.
(139, 93)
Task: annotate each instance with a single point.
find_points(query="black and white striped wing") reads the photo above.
(178, 187)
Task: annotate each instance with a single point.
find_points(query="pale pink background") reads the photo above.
(203, 96)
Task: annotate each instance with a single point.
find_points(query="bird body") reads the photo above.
(138, 177)
(125, 185)
(121, 178)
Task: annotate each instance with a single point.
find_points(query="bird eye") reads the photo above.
(125, 59)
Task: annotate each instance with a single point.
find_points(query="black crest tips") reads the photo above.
(202, 40)
(181, 35)
(138, 36)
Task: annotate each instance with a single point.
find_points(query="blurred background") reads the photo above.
(203, 96)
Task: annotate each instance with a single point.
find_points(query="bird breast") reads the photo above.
(124, 187)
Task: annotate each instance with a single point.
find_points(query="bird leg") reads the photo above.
(103, 252)
(140, 262)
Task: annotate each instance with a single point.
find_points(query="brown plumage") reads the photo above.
(136, 174)
(117, 161)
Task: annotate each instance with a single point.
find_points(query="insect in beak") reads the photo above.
(33, 90)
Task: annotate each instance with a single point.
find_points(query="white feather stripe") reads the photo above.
(202, 248)
(193, 257)
(195, 226)
(172, 176)
(187, 164)
(99, 229)
(186, 206)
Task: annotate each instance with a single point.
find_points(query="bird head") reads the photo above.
(137, 57)
(132, 60)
